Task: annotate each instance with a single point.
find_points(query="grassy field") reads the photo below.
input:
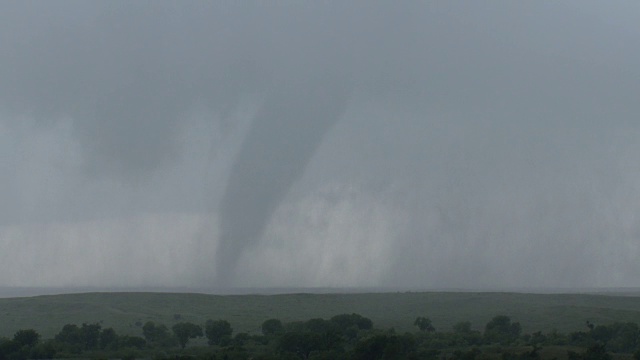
(125, 312)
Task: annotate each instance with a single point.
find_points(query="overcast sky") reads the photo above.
(471, 144)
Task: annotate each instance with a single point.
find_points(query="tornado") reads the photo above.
(280, 142)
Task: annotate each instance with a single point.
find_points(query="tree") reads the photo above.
(108, 339)
(90, 335)
(218, 332)
(537, 338)
(28, 338)
(240, 339)
(7, 348)
(156, 334)
(345, 321)
(272, 327)
(318, 325)
(300, 343)
(86, 337)
(387, 346)
(44, 350)
(618, 337)
(424, 324)
(597, 352)
(501, 329)
(70, 334)
(127, 341)
(185, 331)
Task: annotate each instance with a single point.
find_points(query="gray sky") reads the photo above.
(421, 144)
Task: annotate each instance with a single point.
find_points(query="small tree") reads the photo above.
(70, 334)
(424, 324)
(90, 334)
(344, 321)
(156, 334)
(218, 332)
(127, 341)
(108, 339)
(501, 329)
(149, 331)
(185, 331)
(28, 338)
(300, 343)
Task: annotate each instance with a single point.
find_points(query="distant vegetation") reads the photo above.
(343, 336)
(374, 326)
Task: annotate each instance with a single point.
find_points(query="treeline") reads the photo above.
(345, 336)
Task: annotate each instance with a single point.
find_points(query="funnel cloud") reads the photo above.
(280, 142)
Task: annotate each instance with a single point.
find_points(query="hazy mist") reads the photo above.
(316, 144)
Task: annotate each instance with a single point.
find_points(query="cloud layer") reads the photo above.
(445, 144)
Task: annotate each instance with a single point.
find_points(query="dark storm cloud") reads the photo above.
(125, 75)
(124, 72)
(447, 142)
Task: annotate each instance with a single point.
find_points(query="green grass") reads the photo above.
(122, 311)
